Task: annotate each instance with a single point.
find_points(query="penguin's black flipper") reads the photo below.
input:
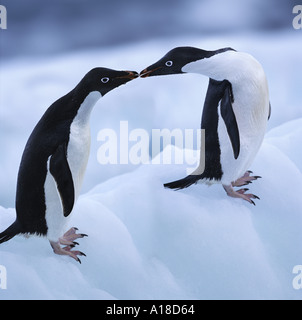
(270, 111)
(59, 168)
(229, 118)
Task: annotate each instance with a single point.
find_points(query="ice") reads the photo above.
(147, 242)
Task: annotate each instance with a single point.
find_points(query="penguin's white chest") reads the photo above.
(78, 153)
(77, 158)
(251, 110)
(78, 150)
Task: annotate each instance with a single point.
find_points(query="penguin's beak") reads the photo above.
(148, 72)
(131, 75)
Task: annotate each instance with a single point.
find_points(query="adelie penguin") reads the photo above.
(54, 162)
(235, 114)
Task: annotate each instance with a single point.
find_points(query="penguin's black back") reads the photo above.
(51, 131)
(209, 123)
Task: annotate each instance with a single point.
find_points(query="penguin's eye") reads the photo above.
(169, 63)
(105, 80)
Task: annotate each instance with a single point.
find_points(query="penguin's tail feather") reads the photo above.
(10, 232)
(183, 183)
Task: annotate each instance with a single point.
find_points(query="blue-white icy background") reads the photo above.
(146, 242)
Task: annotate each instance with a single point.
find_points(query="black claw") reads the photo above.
(80, 262)
(75, 228)
(253, 202)
(84, 235)
(250, 171)
(75, 244)
(257, 177)
(256, 197)
(83, 254)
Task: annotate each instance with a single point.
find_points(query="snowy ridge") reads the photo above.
(147, 242)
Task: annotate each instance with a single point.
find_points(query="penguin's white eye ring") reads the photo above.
(105, 80)
(169, 63)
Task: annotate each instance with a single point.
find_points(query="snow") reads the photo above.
(147, 242)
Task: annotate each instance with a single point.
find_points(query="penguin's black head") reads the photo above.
(174, 61)
(105, 80)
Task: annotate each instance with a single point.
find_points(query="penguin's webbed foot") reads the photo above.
(66, 251)
(245, 179)
(71, 235)
(240, 194)
(67, 240)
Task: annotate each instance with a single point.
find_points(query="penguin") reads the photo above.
(54, 162)
(234, 117)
